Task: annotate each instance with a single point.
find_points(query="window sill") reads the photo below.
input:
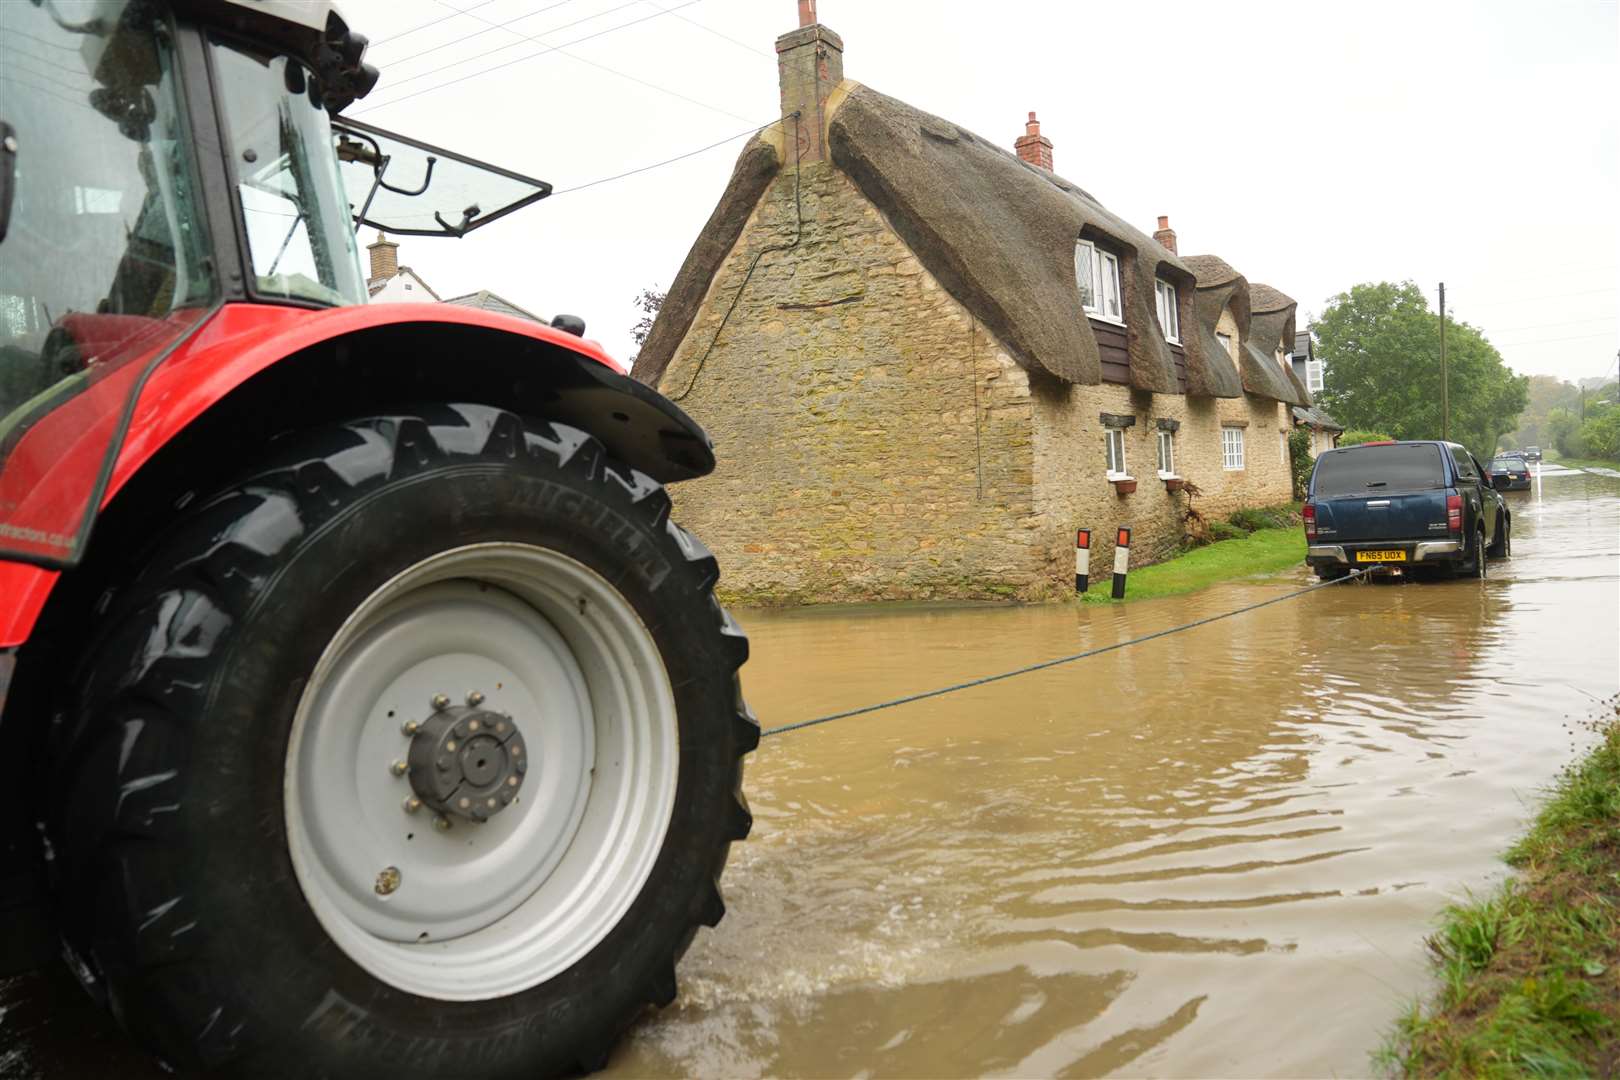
(1232, 468)
(1174, 341)
(1168, 475)
(1115, 477)
(1109, 319)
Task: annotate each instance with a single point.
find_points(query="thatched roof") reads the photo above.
(1262, 314)
(1213, 372)
(756, 167)
(999, 234)
(1271, 323)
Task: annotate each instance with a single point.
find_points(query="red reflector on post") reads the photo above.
(1124, 538)
(1082, 538)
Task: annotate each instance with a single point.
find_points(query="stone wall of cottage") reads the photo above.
(1072, 490)
(872, 442)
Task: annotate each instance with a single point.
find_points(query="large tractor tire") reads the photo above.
(415, 754)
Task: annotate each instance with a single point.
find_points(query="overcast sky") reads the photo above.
(1313, 146)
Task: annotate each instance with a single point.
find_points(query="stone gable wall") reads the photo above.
(874, 442)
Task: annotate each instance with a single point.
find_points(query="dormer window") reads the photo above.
(1169, 315)
(1225, 341)
(1313, 376)
(1097, 273)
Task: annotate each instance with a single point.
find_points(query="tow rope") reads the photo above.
(1044, 664)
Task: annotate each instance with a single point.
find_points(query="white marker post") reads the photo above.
(1082, 560)
(1122, 561)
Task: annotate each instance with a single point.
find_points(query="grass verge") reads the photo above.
(1263, 551)
(1530, 976)
(1585, 463)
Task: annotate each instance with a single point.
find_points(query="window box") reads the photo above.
(1096, 272)
(1174, 484)
(1124, 486)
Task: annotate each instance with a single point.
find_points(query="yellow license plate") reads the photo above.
(1380, 556)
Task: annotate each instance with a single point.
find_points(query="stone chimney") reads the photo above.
(810, 61)
(1166, 236)
(384, 258)
(1034, 147)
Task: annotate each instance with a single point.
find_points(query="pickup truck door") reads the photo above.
(1477, 506)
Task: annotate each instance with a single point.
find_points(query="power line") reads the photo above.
(435, 22)
(1550, 341)
(490, 27)
(667, 161)
(1545, 296)
(1565, 322)
(548, 50)
(724, 37)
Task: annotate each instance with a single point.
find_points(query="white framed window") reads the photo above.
(1097, 274)
(1115, 449)
(1226, 342)
(1169, 314)
(1167, 453)
(1231, 448)
(1313, 376)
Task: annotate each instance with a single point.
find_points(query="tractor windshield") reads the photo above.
(102, 248)
(299, 227)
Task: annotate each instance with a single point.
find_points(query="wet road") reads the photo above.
(1214, 854)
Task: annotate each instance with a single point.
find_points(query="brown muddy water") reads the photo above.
(1213, 854)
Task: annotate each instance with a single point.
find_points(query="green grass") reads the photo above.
(1264, 551)
(1530, 975)
(1585, 463)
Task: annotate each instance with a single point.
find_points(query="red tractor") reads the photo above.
(372, 717)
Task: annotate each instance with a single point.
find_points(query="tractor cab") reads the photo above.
(156, 162)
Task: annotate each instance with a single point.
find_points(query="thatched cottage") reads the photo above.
(926, 360)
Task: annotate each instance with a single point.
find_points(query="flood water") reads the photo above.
(1213, 854)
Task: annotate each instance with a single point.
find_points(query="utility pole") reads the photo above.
(1445, 386)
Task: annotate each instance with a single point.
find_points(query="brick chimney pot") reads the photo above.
(1033, 147)
(1166, 236)
(810, 64)
(384, 258)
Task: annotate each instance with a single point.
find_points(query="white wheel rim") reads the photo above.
(483, 910)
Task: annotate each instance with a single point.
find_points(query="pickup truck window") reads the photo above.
(1465, 464)
(1361, 470)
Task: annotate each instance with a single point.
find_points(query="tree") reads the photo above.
(1563, 430)
(1547, 392)
(1382, 344)
(648, 301)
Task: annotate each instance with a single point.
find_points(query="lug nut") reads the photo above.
(441, 702)
(387, 881)
(475, 699)
(399, 768)
(412, 804)
(441, 823)
(411, 727)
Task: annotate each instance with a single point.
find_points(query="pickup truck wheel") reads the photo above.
(1503, 548)
(417, 754)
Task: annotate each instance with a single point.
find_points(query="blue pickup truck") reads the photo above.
(1400, 506)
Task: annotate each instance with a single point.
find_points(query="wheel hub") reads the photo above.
(467, 761)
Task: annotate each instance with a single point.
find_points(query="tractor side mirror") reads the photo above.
(8, 174)
(569, 324)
